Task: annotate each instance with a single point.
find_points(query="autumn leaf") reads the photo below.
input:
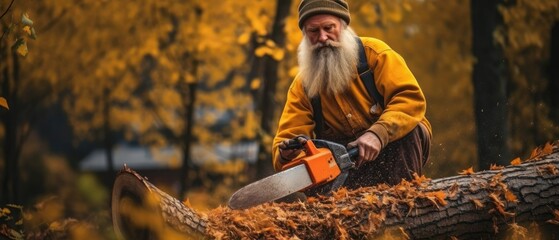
(468, 171)
(496, 167)
(20, 46)
(27, 30)
(453, 190)
(555, 220)
(510, 197)
(418, 180)
(547, 149)
(477, 203)
(342, 231)
(341, 193)
(371, 198)
(292, 224)
(238, 219)
(499, 205)
(516, 162)
(550, 169)
(437, 197)
(311, 200)
(347, 212)
(541, 151)
(535, 153)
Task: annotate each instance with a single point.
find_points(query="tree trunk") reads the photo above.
(189, 99)
(490, 86)
(10, 75)
(271, 66)
(553, 70)
(108, 140)
(471, 206)
(189, 124)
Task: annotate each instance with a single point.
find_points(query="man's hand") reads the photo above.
(287, 151)
(369, 147)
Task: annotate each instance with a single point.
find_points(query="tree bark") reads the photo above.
(490, 86)
(471, 206)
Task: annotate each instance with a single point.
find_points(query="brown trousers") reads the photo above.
(398, 160)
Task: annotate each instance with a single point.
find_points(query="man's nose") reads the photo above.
(323, 36)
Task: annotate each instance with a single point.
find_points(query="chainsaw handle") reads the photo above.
(353, 153)
(294, 143)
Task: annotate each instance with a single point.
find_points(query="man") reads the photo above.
(393, 138)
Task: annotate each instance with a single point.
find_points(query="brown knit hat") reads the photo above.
(309, 8)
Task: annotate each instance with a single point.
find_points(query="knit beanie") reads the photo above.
(309, 8)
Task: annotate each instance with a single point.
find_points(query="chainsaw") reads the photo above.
(323, 162)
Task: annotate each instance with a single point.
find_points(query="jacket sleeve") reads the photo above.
(296, 119)
(405, 102)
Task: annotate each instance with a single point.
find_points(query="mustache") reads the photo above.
(328, 44)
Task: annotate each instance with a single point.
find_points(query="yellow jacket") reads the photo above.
(347, 116)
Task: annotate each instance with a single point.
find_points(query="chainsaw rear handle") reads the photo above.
(353, 153)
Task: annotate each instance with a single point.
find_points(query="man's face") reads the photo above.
(327, 55)
(321, 28)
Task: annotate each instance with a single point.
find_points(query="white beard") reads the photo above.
(328, 68)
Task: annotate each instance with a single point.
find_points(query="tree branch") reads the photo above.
(7, 9)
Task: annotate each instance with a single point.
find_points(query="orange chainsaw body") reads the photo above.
(320, 163)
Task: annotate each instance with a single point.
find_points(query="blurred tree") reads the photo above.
(275, 48)
(553, 73)
(490, 85)
(137, 71)
(527, 38)
(17, 122)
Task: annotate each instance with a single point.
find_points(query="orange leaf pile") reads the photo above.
(324, 217)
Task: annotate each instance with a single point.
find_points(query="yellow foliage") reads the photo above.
(243, 38)
(255, 83)
(22, 49)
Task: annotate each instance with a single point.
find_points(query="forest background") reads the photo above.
(85, 75)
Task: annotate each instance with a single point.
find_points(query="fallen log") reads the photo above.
(486, 204)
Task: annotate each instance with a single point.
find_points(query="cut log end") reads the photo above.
(142, 211)
(129, 192)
